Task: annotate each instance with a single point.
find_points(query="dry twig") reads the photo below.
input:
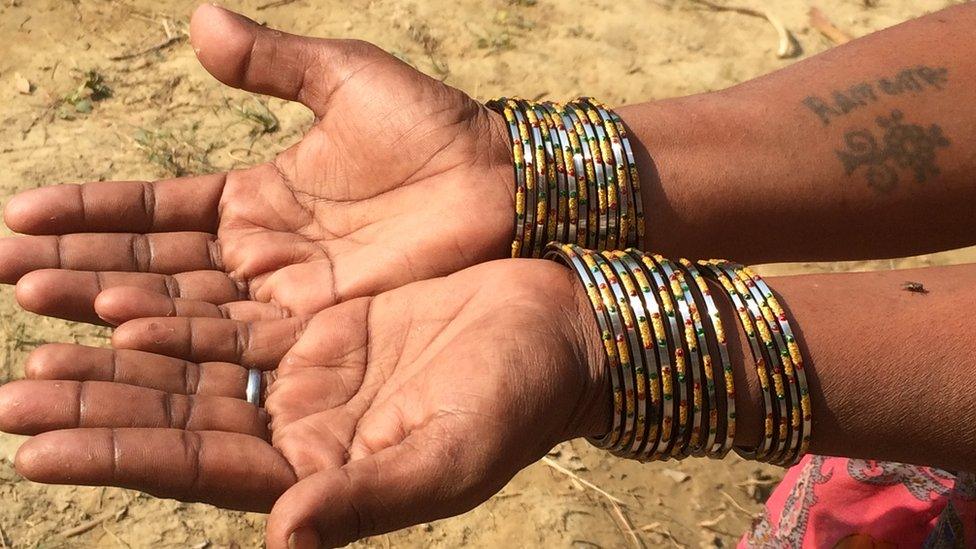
(552, 463)
(737, 505)
(275, 4)
(615, 502)
(160, 46)
(820, 21)
(787, 44)
(88, 525)
(659, 528)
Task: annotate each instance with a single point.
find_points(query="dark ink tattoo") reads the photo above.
(903, 146)
(914, 80)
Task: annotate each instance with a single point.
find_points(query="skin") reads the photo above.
(422, 402)
(413, 405)
(254, 255)
(346, 212)
(752, 173)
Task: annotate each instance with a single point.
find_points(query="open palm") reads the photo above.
(379, 413)
(401, 178)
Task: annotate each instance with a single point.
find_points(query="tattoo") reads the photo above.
(914, 80)
(903, 146)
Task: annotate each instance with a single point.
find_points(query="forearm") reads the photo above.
(771, 170)
(892, 372)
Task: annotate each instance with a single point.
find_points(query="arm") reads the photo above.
(795, 165)
(893, 371)
(424, 401)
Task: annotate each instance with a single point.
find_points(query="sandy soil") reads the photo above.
(166, 116)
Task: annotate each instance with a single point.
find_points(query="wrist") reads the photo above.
(592, 416)
(499, 174)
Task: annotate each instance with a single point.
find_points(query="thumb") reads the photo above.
(243, 54)
(398, 487)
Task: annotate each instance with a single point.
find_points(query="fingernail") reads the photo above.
(304, 538)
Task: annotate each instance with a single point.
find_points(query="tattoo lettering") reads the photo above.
(914, 80)
(903, 146)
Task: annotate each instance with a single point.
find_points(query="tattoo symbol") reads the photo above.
(905, 146)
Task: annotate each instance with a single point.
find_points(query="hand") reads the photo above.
(401, 178)
(380, 412)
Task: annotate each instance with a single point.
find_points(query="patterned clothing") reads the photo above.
(851, 504)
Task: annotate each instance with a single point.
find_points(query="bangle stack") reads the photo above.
(671, 379)
(575, 176)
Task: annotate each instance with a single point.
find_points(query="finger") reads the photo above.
(183, 204)
(30, 407)
(62, 361)
(395, 488)
(121, 304)
(163, 253)
(71, 294)
(243, 54)
(252, 345)
(228, 470)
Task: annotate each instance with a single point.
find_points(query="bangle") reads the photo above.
(589, 173)
(528, 159)
(742, 312)
(567, 254)
(717, 449)
(690, 346)
(634, 177)
(607, 223)
(651, 327)
(518, 156)
(600, 147)
(769, 332)
(801, 415)
(679, 364)
(552, 176)
(567, 207)
(575, 176)
(579, 175)
(629, 305)
(541, 179)
(665, 356)
(704, 385)
(606, 280)
(613, 150)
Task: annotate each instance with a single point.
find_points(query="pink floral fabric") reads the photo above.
(851, 503)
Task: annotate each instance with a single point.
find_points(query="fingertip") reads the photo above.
(222, 41)
(44, 210)
(46, 457)
(17, 213)
(147, 334)
(42, 362)
(124, 335)
(30, 457)
(32, 291)
(9, 404)
(120, 304)
(109, 305)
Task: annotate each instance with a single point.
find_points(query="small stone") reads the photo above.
(22, 85)
(677, 476)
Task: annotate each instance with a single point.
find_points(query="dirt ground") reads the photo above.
(165, 116)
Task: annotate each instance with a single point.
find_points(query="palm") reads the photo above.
(401, 178)
(396, 168)
(413, 405)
